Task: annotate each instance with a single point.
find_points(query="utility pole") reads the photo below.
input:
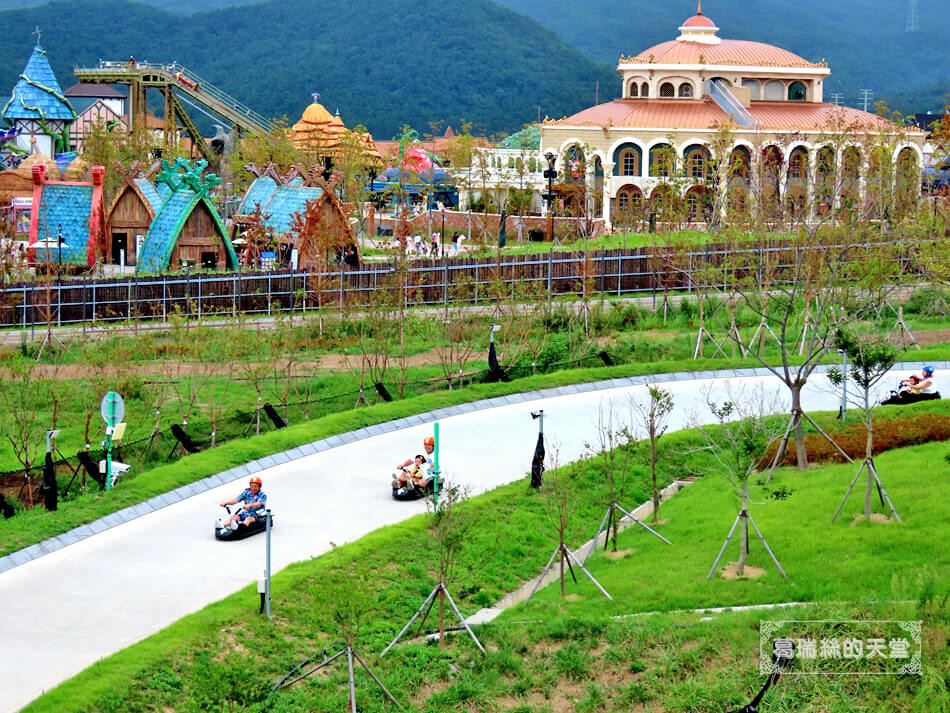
(866, 96)
(837, 98)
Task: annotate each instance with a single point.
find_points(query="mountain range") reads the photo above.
(387, 63)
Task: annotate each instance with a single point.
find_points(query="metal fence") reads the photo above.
(607, 272)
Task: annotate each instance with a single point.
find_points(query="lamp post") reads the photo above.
(442, 234)
(550, 173)
(59, 247)
(843, 414)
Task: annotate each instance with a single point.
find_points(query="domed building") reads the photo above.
(323, 134)
(695, 104)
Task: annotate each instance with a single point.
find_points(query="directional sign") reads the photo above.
(112, 409)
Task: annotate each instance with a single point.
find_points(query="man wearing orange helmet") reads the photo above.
(402, 477)
(252, 499)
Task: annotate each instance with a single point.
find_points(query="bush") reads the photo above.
(890, 434)
(927, 301)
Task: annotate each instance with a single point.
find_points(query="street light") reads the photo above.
(843, 411)
(442, 235)
(59, 247)
(550, 173)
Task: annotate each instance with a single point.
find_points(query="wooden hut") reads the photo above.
(132, 211)
(187, 229)
(276, 200)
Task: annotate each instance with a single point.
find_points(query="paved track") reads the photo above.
(66, 610)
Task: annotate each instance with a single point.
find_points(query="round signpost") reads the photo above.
(112, 409)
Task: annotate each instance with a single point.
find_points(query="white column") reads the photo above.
(608, 194)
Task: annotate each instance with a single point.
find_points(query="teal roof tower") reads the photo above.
(37, 95)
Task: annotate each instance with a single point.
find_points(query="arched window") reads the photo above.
(686, 90)
(797, 92)
(667, 90)
(696, 162)
(644, 90)
(755, 89)
(532, 164)
(628, 199)
(629, 163)
(774, 91)
(740, 162)
(634, 89)
(798, 165)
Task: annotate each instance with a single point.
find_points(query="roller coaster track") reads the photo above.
(173, 79)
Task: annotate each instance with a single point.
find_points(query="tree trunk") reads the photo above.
(441, 621)
(743, 545)
(867, 492)
(561, 564)
(801, 453)
(656, 495)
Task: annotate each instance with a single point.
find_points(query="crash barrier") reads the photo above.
(148, 451)
(442, 281)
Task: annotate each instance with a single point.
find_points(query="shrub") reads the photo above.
(890, 434)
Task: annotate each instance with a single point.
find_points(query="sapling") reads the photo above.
(653, 415)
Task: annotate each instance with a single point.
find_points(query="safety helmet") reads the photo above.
(429, 441)
(928, 370)
(255, 479)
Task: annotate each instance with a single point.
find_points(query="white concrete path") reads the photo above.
(65, 610)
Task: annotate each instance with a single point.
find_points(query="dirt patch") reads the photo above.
(173, 368)
(572, 597)
(619, 554)
(875, 517)
(731, 572)
(930, 337)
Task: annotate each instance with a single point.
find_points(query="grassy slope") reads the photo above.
(571, 648)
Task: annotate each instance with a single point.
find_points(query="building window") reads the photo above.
(634, 89)
(696, 163)
(667, 90)
(629, 163)
(796, 165)
(644, 90)
(797, 92)
(774, 91)
(755, 89)
(686, 90)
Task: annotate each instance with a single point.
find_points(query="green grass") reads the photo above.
(570, 655)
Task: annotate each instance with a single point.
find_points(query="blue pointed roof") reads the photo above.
(65, 209)
(37, 94)
(151, 193)
(258, 194)
(278, 203)
(164, 231)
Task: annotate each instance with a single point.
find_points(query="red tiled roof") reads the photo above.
(699, 21)
(705, 114)
(728, 52)
(649, 114)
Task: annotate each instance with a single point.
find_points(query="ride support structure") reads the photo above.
(178, 85)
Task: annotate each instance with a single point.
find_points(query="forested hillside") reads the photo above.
(863, 40)
(383, 63)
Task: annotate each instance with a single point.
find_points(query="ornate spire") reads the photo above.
(699, 8)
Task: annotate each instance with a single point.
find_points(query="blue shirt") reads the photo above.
(247, 497)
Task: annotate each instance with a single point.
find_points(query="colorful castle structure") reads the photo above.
(67, 223)
(37, 110)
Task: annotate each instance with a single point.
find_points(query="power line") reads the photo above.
(866, 96)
